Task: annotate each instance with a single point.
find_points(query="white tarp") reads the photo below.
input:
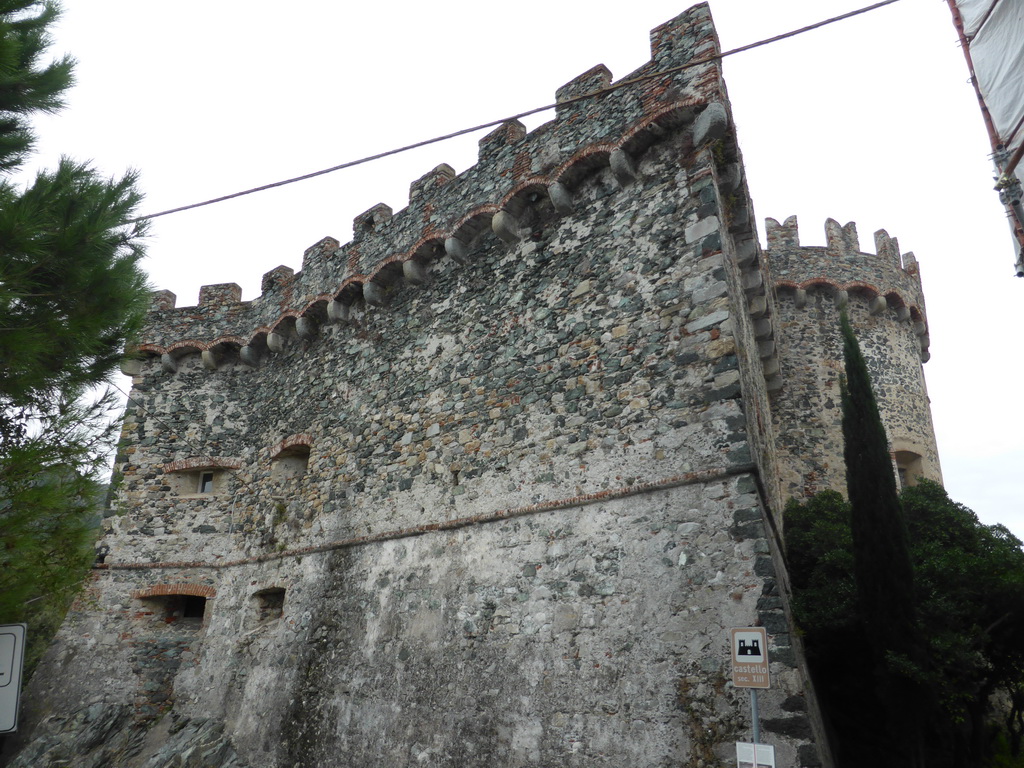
(995, 33)
(973, 12)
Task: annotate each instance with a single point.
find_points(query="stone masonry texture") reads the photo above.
(490, 483)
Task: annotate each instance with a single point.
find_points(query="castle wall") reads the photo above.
(596, 361)
(507, 457)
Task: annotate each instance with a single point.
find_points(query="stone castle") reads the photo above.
(490, 483)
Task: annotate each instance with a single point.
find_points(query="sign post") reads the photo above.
(749, 649)
(12, 656)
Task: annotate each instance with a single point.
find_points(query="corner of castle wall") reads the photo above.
(690, 34)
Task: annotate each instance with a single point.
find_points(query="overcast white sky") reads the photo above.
(871, 120)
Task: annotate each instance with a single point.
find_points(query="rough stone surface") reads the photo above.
(507, 516)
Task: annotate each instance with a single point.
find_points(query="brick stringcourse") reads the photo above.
(676, 481)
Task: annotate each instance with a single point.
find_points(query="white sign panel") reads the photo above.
(749, 657)
(12, 654)
(754, 755)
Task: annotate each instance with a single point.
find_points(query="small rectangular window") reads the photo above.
(290, 463)
(269, 604)
(206, 482)
(909, 468)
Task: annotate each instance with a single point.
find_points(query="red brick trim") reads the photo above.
(291, 442)
(160, 590)
(486, 210)
(185, 347)
(202, 462)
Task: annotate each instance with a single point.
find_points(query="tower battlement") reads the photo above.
(886, 278)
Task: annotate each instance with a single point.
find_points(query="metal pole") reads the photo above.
(753, 716)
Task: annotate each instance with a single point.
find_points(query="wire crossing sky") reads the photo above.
(519, 116)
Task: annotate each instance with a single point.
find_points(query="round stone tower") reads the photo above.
(882, 296)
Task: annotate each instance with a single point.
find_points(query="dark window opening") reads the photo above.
(269, 604)
(188, 610)
(210, 481)
(193, 607)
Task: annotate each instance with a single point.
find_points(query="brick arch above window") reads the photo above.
(202, 462)
(298, 443)
(162, 590)
(290, 457)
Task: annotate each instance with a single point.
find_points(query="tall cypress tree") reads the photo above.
(882, 564)
(72, 294)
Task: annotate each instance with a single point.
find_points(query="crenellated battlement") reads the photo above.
(887, 278)
(841, 256)
(842, 242)
(519, 175)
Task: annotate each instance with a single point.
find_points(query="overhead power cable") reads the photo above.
(527, 113)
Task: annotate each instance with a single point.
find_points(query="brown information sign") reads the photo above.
(749, 657)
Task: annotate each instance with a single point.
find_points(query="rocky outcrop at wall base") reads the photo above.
(104, 735)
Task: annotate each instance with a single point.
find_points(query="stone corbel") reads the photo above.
(415, 272)
(373, 293)
(505, 226)
(622, 167)
(249, 355)
(337, 311)
(457, 250)
(561, 198)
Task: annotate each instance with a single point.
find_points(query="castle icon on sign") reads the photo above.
(751, 649)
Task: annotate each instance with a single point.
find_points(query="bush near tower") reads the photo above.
(71, 296)
(912, 610)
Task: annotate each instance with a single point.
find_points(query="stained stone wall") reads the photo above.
(489, 482)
